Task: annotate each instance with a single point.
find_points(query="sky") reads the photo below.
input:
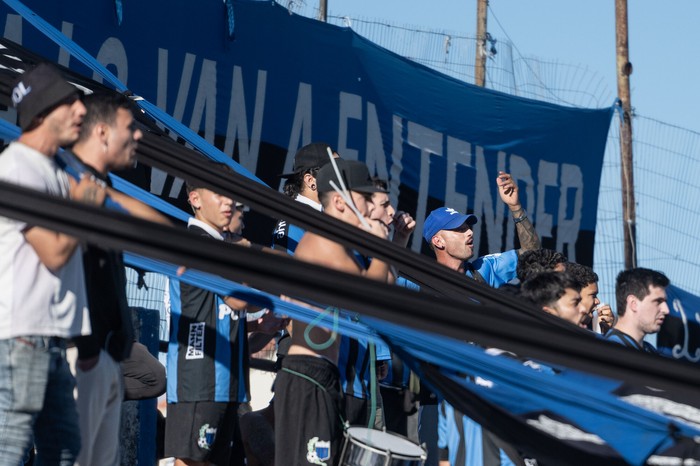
(663, 40)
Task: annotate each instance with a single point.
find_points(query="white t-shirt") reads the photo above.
(34, 300)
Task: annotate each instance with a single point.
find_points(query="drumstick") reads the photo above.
(337, 171)
(351, 204)
(344, 194)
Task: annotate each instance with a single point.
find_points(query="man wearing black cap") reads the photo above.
(308, 401)
(301, 185)
(43, 302)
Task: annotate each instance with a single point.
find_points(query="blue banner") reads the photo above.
(679, 336)
(277, 81)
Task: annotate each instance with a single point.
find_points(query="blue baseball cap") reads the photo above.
(445, 218)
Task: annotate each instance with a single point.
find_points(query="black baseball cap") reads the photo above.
(38, 90)
(355, 176)
(310, 156)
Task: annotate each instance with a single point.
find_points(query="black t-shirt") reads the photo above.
(110, 316)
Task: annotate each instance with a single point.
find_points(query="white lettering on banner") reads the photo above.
(205, 98)
(686, 413)
(567, 228)
(459, 154)
(301, 126)
(63, 55)
(374, 153)
(566, 179)
(237, 129)
(184, 89)
(679, 351)
(547, 176)
(564, 431)
(158, 176)
(429, 142)
(350, 108)
(522, 174)
(13, 31)
(112, 52)
(659, 460)
(487, 210)
(396, 158)
(13, 28)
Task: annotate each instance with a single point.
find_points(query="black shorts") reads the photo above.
(356, 410)
(201, 431)
(395, 415)
(359, 410)
(308, 425)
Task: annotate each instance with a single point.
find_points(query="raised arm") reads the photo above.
(508, 190)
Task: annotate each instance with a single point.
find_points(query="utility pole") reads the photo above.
(624, 70)
(481, 54)
(323, 10)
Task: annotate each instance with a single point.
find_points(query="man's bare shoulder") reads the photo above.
(322, 251)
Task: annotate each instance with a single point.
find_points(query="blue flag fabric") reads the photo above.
(679, 337)
(261, 94)
(431, 133)
(585, 411)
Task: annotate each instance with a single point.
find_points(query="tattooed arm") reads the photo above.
(526, 231)
(508, 190)
(53, 248)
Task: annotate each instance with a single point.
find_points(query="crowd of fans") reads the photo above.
(63, 297)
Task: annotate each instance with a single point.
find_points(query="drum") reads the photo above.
(369, 447)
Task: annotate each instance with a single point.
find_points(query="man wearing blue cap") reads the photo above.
(450, 235)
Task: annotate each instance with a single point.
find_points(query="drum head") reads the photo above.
(386, 441)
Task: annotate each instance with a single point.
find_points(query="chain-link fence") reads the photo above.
(665, 172)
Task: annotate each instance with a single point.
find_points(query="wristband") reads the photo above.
(522, 218)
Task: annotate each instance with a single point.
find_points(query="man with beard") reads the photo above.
(450, 235)
(107, 142)
(44, 301)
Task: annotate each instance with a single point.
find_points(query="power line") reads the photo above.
(512, 43)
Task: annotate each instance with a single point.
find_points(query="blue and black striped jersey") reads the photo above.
(208, 356)
(621, 338)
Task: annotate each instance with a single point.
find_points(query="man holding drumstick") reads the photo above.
(308, 401)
